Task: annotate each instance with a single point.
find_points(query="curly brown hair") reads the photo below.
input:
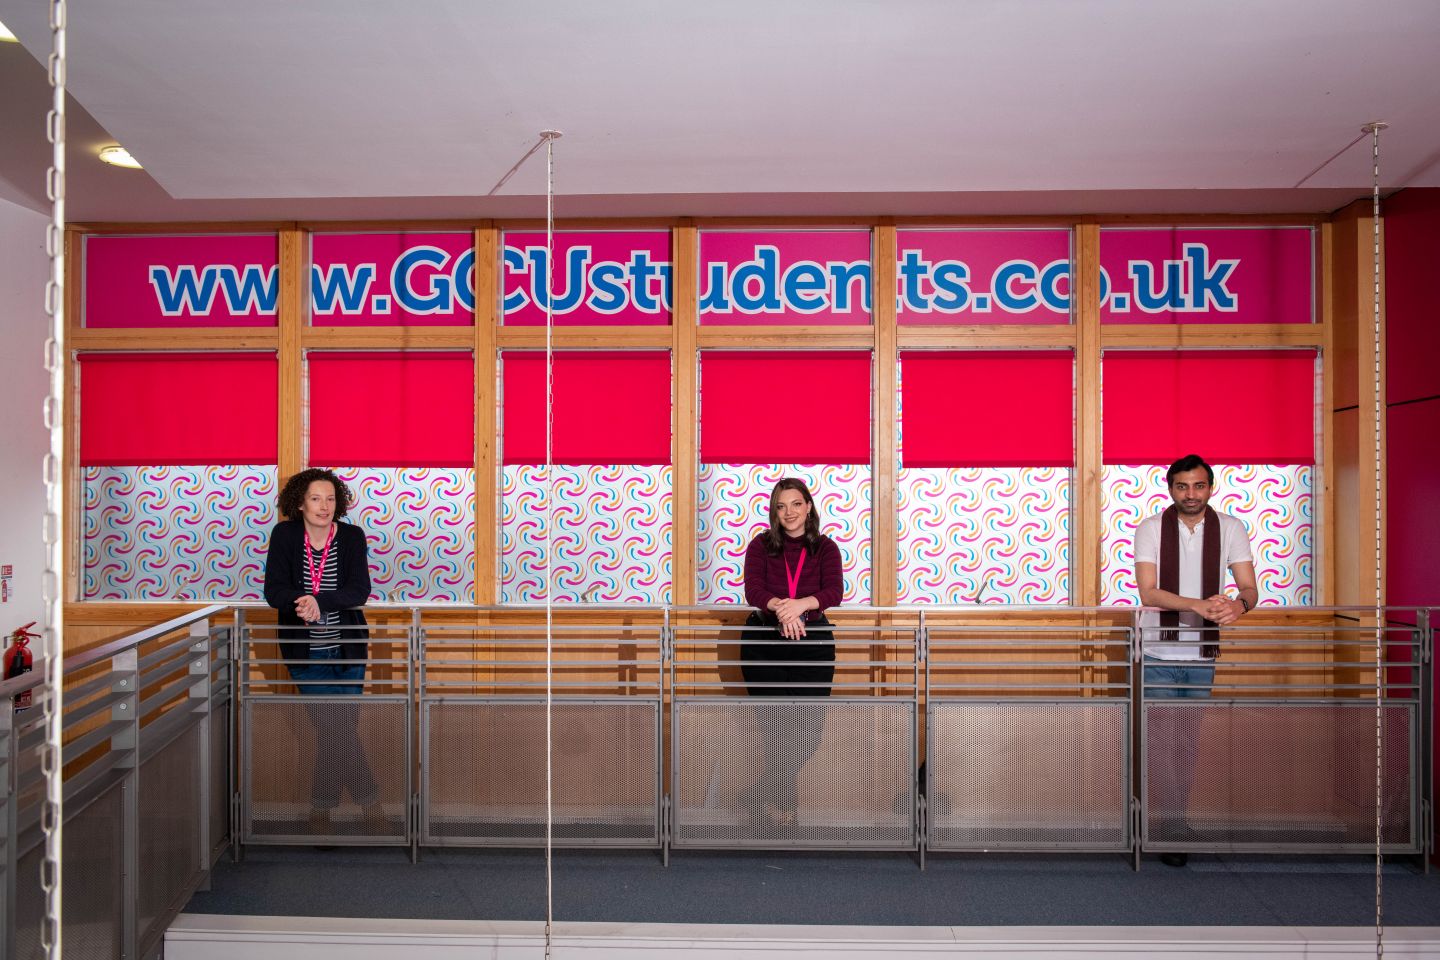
(292, 495)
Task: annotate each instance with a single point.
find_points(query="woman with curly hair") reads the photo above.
(317, 575)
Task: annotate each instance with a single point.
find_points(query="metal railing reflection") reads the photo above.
(794, 743)
(1273, 746)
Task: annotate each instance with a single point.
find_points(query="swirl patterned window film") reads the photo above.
(1276, 502)
(760, 413)
(984, 485)
(178, 455)
(611, 480)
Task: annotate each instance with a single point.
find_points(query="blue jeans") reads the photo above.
(344, 679)
(1171, 737)
(340, 762)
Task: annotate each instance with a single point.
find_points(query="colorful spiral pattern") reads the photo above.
(419, 523)
(1276, 503)
(983, 534)
(612, 534)
(732, 503)
(176, 533)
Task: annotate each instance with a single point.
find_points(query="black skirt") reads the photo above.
(760, 672)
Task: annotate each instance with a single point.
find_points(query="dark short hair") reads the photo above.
(292, 495)
(1191, 461)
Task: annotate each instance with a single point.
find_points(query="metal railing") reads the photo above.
(808, 743)
(148, 781)
(1039, 727)
(1277, 751)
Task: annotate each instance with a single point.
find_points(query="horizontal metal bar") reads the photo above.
(94, 738)
(167, 694)
(337, 663)
(169, 727)
(181, 647)
(107, 650)
(540, 684)
(514, 664)
(982, 665)
(101, 704)
(1029, 686)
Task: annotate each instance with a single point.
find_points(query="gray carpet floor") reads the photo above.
(820, 888)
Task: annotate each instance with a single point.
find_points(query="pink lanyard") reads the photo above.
(316, 575)
(792, 580)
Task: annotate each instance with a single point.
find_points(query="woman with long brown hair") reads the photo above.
(793, 574)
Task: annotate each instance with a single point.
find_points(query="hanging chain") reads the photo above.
(52, 583)
(549, 136)
(1374, 130)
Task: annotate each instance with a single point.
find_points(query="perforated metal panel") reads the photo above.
(484, 775)
(316, 767)
(1008, 775)
(169, 846)
(807, 772)
(1230, 776)
(220, 761)
(92, 876)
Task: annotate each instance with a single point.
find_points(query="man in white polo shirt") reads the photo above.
(1181, 557)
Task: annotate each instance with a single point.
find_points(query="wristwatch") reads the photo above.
(1244, 603)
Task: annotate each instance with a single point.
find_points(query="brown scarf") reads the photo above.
(1170, 567)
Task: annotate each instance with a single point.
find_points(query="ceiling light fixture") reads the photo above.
(118, 156)
(6, 36)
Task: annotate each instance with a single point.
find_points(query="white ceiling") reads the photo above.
(336, 108)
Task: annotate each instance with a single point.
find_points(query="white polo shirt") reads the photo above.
(1234, 548)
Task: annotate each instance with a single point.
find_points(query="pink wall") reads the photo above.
(1412, 391)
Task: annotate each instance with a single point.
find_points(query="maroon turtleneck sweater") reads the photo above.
(822, 576)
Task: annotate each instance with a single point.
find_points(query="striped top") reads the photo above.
(321, 639)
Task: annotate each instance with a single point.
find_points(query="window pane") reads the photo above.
(1275, 503)
(176, 532)
(733, 502)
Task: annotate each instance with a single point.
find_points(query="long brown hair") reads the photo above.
(775, 536)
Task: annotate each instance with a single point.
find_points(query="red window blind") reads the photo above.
(151, 409)
(411, 409)
(609, 407)
(987, 409)
(1234, 406)
(791, 407)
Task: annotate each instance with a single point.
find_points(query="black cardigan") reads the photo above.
(285, 583)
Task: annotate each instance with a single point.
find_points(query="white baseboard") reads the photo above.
(203, 937)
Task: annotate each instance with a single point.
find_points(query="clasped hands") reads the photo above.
(307, 608)
(791, 614)
(1220, 609)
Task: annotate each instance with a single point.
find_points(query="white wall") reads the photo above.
(24, 269)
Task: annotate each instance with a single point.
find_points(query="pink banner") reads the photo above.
(617, 278)
(184, 281)
(982, 276)
(1216, 275)
(392, 279)
(819, 277)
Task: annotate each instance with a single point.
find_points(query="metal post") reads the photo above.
(200, 691)
(1427, 733)
(236, 654)
(1136, 655)
(418, 732)
(8, 797)
(126, 742)
(922, 722)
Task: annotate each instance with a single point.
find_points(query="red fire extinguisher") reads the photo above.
(19, 659)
